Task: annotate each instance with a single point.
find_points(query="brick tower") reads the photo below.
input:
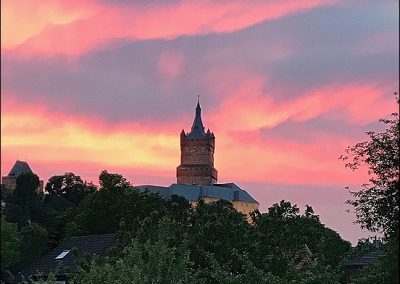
(197, 155)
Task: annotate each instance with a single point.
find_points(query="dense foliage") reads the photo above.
(32, 222)
(216, 244)
(168, 241)
(10, 245)
(377, 204)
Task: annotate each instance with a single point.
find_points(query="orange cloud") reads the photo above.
(254, 109)
(86, 146)
(268, 159)
(51, 30)
(58, 137)
(23, 19)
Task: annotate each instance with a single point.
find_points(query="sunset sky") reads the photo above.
(286, 86)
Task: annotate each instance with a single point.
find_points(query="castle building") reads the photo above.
(9, 181)
(197, 155)
(196, 175)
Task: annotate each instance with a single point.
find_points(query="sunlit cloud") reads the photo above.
(286, 86)
(90, 24)
(21, 20)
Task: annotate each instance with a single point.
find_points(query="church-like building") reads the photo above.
(196, 175)
(9, 181)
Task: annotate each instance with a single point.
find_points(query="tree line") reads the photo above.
(169, 241)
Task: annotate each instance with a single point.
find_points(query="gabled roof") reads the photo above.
(197, 130)
(366, 259)
(304, 255)
(226, 191)
(65, 262)
(19, 168)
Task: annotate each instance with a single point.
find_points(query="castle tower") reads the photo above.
(197, 155)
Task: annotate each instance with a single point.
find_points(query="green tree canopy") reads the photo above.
(109, 180)
(25, 188)
(377, 204)
(10, 244)
(282, 232)
(116, 206)
(69, 186)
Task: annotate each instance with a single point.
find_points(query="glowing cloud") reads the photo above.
(82, 29)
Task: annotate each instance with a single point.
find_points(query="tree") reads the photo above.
(5, 196)
(116, 206)
(108, 180)
(377, 204)
(179, 208)
(24, 204)
(10, 245)
(25, 188)
(69, 186)
(217, 234)
(282, 232)
(33, 243)
(154, 260)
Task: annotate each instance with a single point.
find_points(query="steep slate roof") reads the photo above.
(19, 168)
(368, 258)
(226, 191)
(304, 255)
(165, 192)
(197, 130)
(85, 245)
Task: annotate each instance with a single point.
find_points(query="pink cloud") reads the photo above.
(254, 109)
(170, 65)
(91, 24)
(154, 148)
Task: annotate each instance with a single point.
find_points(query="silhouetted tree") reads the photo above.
(25, 188)
(179, 208)
(377, 204)
(116, 206)
(10, 245)
(282, 232)
(69, 186)
(33, 243)
(108, 180)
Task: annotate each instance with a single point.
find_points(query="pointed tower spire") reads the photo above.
(197, 127)
(197, 154)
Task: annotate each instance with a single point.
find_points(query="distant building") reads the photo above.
(196, 174)
(197, 155)
(304, 256)
(62, 259)
(354, 265)
(9, 181)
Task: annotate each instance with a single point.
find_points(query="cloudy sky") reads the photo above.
(285, 85)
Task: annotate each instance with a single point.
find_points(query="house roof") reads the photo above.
(366, 259)
(19, 168)
(226, 191)
(62, 257)
(304, 255)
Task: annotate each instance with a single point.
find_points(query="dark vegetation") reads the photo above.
(166, 241)
(377, 203)
(169, 241)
